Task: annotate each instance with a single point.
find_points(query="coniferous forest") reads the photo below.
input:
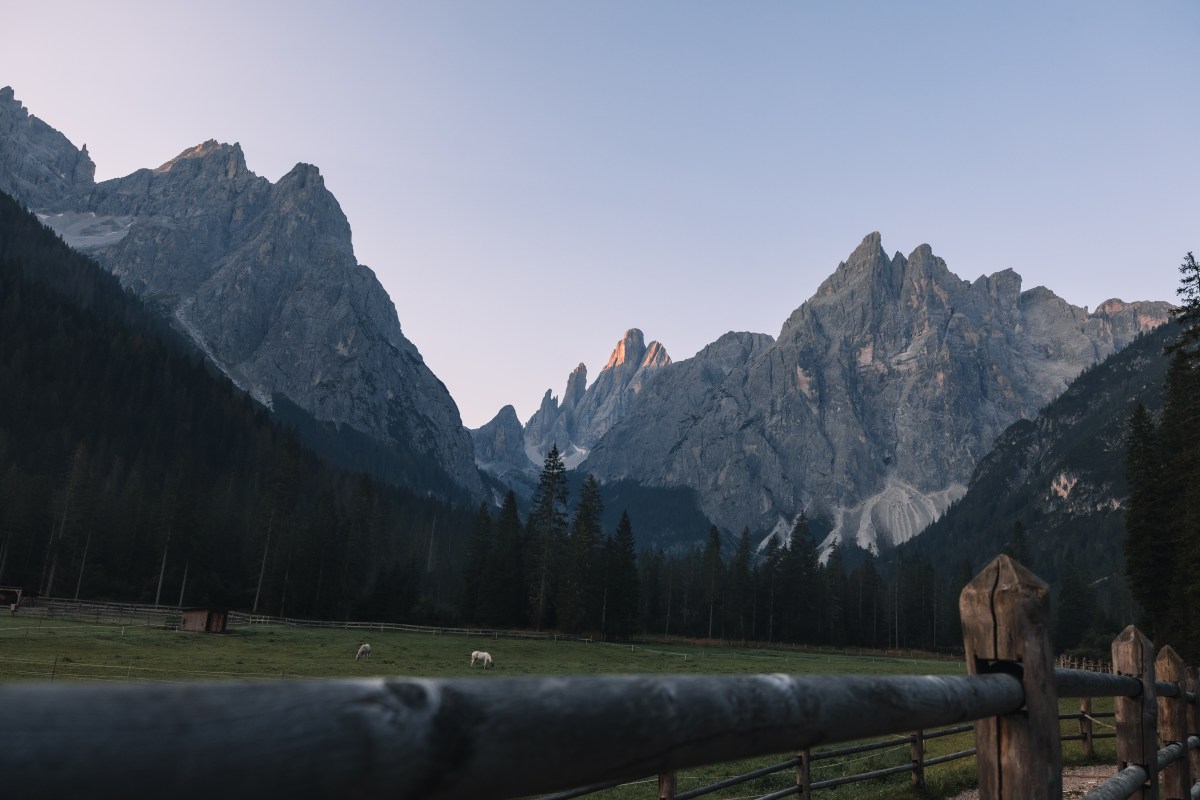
(130, 471)
(1162, 551)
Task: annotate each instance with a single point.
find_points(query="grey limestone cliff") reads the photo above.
(586, 413)
(875, 403)
(37, 163)
(262, 276)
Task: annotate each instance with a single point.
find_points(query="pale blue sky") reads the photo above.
(530, 179)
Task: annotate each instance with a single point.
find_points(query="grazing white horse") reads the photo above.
(363, 653)
(483, 658)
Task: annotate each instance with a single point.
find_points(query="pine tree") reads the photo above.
(478, 554)
(622, 592)
(835, 593)
(1188, 312)
(547, 532)
(1144, 520)
(651, 569)
(799, 577)
(1075, 607)
(867, 590)
(503, 583)
(769, 580)
(582, 576)
(713, 574)
(740, 587)
(1179, 494)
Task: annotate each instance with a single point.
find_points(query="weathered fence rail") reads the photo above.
(449, 738)
(522, 736)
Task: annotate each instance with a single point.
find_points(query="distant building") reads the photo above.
(10, 598)
(204, 620)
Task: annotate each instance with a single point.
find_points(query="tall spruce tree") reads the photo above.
(547, 534)
(1145, 523)
(503, 582)
(740, 586)
(769, 587)
(583, 578)
(713, 575)
(835, 593)
(799, 576)
(622, 590)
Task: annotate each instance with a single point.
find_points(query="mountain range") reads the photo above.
(870, 410)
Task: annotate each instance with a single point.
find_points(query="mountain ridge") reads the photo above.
(873, 405)
(262, 276)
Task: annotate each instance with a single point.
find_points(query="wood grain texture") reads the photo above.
(1137, 717)
(1172, 722)
(494, 738)
(1005, 613)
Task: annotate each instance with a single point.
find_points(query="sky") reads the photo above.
(530, 179)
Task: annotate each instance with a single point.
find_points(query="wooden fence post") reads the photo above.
(1137, 717)
(1085, 727)
(917, 754)
(1172, 723)
(804, 774)
(1005, 614)
(667, 786)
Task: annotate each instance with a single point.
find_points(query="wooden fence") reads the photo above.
(516, 737)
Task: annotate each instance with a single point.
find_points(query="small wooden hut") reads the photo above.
(204, 620)
(10, 598)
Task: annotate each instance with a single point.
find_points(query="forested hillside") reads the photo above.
(1162, 550)
(128, 471)
(1053, 488)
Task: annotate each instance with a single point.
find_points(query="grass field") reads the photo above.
(54, 649)
(137, 652)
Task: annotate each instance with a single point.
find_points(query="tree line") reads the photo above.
(129, 471)
(558, 570)
(1162, 517)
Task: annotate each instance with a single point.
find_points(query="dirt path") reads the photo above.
(1077, 781)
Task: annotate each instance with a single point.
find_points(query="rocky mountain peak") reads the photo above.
(229, 156)
(630, 349)
(656, 356)
(576, 386)
(38, 165)
(498, 444)
(585, 413)
(869, 250)
(874, 404)
(261, 276)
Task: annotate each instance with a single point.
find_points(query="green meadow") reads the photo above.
(32, 648)
(58, 650)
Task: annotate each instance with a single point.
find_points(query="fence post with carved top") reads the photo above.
(1172, 723)
(1005, 614)
(1137, 717)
